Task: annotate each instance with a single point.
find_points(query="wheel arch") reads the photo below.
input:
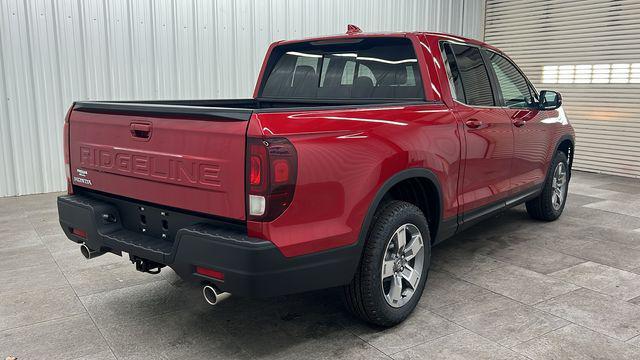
(424, 201)
(566, 144)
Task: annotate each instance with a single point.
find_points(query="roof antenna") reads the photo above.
(352, 29)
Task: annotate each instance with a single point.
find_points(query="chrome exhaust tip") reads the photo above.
(88, 253)
(213, 295)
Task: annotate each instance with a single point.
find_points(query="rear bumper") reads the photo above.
(251, 267)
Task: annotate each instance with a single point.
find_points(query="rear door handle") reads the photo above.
(519, 122)
(140, 131)
(473, 123)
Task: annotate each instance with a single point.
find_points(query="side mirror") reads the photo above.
(550, 100)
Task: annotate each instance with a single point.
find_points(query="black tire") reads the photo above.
(542, 208)
(364, 296)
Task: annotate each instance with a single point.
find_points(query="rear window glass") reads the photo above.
(376, 68)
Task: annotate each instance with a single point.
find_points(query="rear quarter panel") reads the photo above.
(344, 157)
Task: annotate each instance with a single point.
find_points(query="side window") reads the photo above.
(513, 86)
(469, 75)
(453, 74)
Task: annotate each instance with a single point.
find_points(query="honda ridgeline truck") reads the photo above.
(356, 155)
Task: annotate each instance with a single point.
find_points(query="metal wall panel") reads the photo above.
(55, 52)
(581, 34)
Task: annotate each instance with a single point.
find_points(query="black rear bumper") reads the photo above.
(251, 267)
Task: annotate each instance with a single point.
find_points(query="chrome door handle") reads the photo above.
(519, 122)
(473, 123)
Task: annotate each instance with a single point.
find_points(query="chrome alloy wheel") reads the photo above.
(559, 185)
(402, 265)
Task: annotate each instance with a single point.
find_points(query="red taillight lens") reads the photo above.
(255, 177)
(272, 169)
(280, 171)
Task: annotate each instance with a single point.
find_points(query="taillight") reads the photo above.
(272, 167)
(65, 136)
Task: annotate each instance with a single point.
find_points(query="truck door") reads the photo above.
(532, 133)
(488, 134)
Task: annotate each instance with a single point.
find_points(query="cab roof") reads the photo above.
(352, 35)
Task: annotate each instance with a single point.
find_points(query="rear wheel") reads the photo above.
(394, 266)
(550, 203)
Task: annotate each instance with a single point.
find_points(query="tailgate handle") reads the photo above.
(140, 131)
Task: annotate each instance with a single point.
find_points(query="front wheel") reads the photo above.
(549, 205)
(394, 266)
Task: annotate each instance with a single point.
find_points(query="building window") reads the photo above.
(591, 74)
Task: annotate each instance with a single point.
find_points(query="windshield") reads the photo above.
(371, 68)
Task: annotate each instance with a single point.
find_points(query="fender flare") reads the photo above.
(562, 138)
(384, 189)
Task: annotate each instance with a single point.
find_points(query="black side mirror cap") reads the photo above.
(550, 100)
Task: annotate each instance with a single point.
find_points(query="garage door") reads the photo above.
(588, 50)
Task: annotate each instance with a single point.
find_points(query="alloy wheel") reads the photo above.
(559, 185)
(402, 265)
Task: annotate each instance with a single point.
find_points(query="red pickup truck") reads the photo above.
(356, 155)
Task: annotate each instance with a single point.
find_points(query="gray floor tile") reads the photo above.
(604, 252)
(443, 289)
(459, 346)
(23, 257)
(179, 335)
(621, 188)
(590, 215)
(19, 238)
(598, 312)
(104, 273)
(534, 258)
(520, 284)
(51, 227)
(635, 300)
(618, 207)
(635, 341)
(36, 278)
(460, 262)
(103, 355)
(74, 337)
(577, 200)
(420, 327)
(604, 232)
(620, 284)
(20, 308)
(575, 342)
(468, 307)
(134, 303)
(59, 243)
(586, 189)
(512, 325)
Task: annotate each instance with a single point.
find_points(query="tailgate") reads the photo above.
(184, 161)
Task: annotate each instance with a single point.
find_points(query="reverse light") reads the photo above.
(272, 166)
(257, 205)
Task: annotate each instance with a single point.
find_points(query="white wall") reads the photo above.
(56, 51)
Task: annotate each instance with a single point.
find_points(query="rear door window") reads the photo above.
(468, 75)
(371, 68)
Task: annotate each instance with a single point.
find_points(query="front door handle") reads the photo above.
(519, 122)
(473, 123)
